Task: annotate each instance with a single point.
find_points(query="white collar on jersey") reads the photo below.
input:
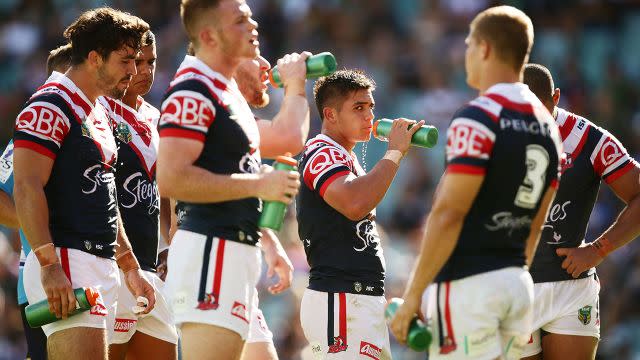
(58, 77)
(515, 92)
(325, 138)
(193, 62)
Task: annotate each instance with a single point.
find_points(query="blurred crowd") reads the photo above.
(414, 49)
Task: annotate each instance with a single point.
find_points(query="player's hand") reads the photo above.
(400, 134)
(278, 185)
(278, 262)
(399, 325)
(139, 286)
(580, 259)
(162, 264)
(58, 288)
(293, 72)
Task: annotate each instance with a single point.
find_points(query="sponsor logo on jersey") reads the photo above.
(44, 121)
(95, 176)
(469, 138)
(338, 345)
(124, 325)
(610, 153)
(531, 127)
(209, 303)
(584, 314)
(139, 190)
(6, 164)
(189, 109)
(370, 350)
(566, 162)
(506, 221)
(367, 233)
(249, 164)
(239, 310)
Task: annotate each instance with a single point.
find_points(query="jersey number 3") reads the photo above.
(530, 191)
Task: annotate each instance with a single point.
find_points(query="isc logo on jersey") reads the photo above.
(44, 121)
(188, 109)
(467, 137)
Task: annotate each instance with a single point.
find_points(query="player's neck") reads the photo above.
(131, 100)
(85, 81)
(497, 74)
(219, 62)
(339, 138)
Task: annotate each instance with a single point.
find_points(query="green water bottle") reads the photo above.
(38, 314)
(418, 337)
(273, 211)
(321, 64)
(426, 137)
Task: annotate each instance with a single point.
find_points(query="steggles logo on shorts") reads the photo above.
(584, 314)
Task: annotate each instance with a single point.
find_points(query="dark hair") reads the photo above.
(509, 30)
(104, 30)
(149, 38)
(333, 89)
(540, 81)
(59, 59)
(191, 12)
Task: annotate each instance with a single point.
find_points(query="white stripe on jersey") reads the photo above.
(488, 105)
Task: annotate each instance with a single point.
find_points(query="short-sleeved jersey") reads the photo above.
(508, 136)
(203, 105)
(137, 139)
(6, 185)
(592, 154)
(344, 255)
(60, 122)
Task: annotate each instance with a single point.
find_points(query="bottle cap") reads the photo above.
(272, 80)
(92, 296)
(375, 128)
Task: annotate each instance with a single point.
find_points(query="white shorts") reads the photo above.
(483, 316)
(212, 281)
(345, 326)
(258, 328)
(158, 323)
(84, 270)
(568, 307)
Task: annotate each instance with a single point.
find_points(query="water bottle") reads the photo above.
(418, 337)
(38, 314)
(426, 137)
(273, 211)
(321, 64)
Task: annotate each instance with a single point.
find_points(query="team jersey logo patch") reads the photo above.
(239, 310)
(370, 350)
(584, 314)
(338, 345)
(123, 133)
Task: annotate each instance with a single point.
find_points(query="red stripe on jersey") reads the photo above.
(342, 321)
(330, 180)
(182, 133)
(617, 174)
(466, 169)
(583, 141)
(216, 82)
(143, 130)
(506, 103)
(568, 125)
(26, 144)
(555, 183)
(77, 100)
(64, 259)
(217, 275)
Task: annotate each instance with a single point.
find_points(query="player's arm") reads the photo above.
(179, 178)
(31, 173)
(165, 219)
(355, 197)
(288, 130)
(8, 215)
(278, 262)
(537, 223)
(624, 229)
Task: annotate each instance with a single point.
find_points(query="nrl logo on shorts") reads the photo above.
(123, 133)
(584, 314)
(357, 286)
(87, 244)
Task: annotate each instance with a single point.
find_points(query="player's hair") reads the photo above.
(59, 59)
(333, 89)
(508, 30)
(149, 38)
(540, 81)
(192, 12)
(191, 49)
(104, 30)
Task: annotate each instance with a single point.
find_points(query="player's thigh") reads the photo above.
(36, 339)
(569, 347)
(259, 351)
(201, 341)
(118, 351)
(143, 346)
(78, 343)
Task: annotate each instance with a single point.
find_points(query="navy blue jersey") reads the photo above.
(344, 255)
(592, 155)
(61, 123)
(137, 139)
(508, 136)
(203, 105)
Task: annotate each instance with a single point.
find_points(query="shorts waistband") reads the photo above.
(347, 286)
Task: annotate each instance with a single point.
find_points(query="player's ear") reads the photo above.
(208, 35)
(329, 114)
(94, 59)
(485, 48)
(556, 96)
